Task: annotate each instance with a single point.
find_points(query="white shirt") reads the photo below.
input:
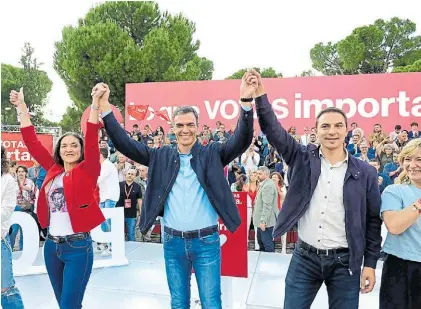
(109, 188)
(122, 173)
(305, 139)
(60, 224)
(8, 201)
(323, 224)
(251, 164)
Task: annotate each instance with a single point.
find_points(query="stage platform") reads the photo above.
(142, 284)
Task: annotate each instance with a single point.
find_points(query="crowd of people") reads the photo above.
(319, 182)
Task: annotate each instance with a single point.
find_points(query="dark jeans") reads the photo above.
(307, 271)
(204, 255)
(401, 284)
(69, 266)
(265, 239)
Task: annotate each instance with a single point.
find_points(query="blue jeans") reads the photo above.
(11, 298)
(204, 255)
(131, 226)
(307, 271)
(106, 226)
(69, 266)
(265, 239)
(15, 229)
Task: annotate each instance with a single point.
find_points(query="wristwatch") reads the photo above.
(415, 208)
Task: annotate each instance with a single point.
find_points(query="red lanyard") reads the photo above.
(125, 190)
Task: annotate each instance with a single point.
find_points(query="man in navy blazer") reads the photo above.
(187, 187)
(335, 199)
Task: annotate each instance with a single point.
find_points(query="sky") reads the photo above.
(234, 35)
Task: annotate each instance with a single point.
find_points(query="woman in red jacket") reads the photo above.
(68, 201)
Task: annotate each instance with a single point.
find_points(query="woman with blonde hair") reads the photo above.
(401, 211)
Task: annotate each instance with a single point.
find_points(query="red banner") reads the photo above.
(17, 150)
(234, 246)
(163, 114)
(138, 112)
(388, 99)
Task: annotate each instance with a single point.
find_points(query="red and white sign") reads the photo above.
(85, 117)
(16, 148)
(367, 99)
(234, 245)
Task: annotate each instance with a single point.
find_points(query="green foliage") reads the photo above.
(35, 83)
(415, 67)
(307, 73)
(369, 49)
(71, 120)
(127, 42)
(265, 73)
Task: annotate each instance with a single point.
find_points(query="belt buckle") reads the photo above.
(56, 239)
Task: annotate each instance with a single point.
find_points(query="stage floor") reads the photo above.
(142, 284)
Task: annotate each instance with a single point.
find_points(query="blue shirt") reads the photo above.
(41, 177)
(407, 245)
(391, 167)
(386, 181)
(353, 149)
(188, 207)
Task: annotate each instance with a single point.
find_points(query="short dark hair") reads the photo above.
(405, 131)
(182, 110)
(398, 127)
(22, 167)
(4, 161)
(354, 123)
(414, 124)
(57, 158)
(135, 126)
(378, 124)
(104, 152)
(374, 161)
(332, 110)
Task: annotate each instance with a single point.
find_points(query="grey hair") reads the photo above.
(182, 110)
(264, 169)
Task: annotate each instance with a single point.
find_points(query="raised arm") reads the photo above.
(92, 130)
(132, 149)
(35, 148)
(276, 135)
(243, 134)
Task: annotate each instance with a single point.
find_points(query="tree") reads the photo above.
(71, 119)
(35, 82)
(325, 59)
(415, 67)
(368, 49)
(307, 73)
(265, 73)
(127, 42)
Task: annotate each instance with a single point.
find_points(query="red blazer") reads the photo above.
(80, 184)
